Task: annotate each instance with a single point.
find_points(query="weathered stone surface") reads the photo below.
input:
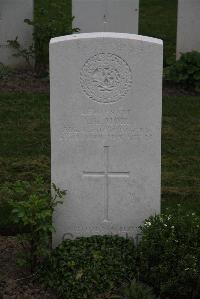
(188, 37)
(106, 15)
(105, 132)
(12, 15)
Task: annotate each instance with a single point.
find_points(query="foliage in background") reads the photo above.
(185, 71)
(31, 207)
(169, 254)
(27, 54)
(138, 290)
(87, 267)
(52, 18)
(5, 71)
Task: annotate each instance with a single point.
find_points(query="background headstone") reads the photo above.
(106, 15)
(188, 28)
(106, 95)
(12, 15)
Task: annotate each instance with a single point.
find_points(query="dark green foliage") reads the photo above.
(186, 71)
(26, 53)
(20, 193)
(30, 206)
(5, 71)
(52, 18)
(138, 290)
(86, 267)
(169, 254)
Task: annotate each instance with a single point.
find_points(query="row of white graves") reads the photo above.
(123, 15)
(90, 15)
(94, 16)
(12, 15)
(106, 95)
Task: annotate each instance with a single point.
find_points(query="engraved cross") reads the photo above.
(106, 174)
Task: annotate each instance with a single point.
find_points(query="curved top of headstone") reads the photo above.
(106, 35)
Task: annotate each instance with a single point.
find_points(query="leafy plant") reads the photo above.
(34, 214)
(185, 71)
(11, 193)
(86, 267)
(5, 71)
(169, 254)
(49, 21)
(26, 53)
(138, 290)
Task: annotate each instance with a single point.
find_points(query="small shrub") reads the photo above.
(169, 254)
(86, 267)
(185, 71)
(27, 54)
(30, 206)
(10, 193)
(50, 20)
(5, 71)
(138, 290)
(35, 215)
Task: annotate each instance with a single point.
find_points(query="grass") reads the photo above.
(181, 152)
(158, 18)
(25, 137)
(25, 144)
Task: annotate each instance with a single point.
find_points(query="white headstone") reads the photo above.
(105, 132)
(106, 15)
(188, 29)
(12, 15)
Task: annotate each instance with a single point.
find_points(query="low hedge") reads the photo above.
(87, 267)
(167, 259)
(169, 254)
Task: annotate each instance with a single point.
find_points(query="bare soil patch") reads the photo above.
(16, 283)
(24, 81)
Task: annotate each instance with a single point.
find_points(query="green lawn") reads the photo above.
(181, 152)
(25, 144)
(25, 137)
(158, 18)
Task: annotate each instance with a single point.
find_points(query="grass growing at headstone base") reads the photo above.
(25, 145)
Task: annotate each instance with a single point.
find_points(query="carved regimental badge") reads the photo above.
(106, 78)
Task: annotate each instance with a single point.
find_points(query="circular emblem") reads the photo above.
(106, 78)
